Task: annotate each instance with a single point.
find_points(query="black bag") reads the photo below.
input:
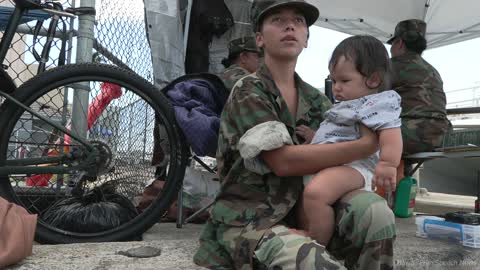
(100, 209)
(463, 218)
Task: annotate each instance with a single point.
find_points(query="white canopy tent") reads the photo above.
(448, 21)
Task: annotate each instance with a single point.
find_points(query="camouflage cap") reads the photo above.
(242, 44)
(261, 7)
(409, 30)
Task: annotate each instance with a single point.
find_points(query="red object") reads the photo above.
(38, 180)
(109, 92)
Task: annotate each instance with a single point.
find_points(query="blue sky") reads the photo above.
(458, 64)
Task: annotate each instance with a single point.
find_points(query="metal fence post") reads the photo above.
(85, 39)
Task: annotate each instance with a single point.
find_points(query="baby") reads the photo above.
(358, 69)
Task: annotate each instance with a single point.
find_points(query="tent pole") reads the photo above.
(427, 6)
(186, 29)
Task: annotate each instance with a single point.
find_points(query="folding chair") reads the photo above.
(207, 146)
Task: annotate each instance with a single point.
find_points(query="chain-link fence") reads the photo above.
(118, 38)
(21, 63)
(119, 33)
(123, 130)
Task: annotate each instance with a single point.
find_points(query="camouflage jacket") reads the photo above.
(248, 202)
(420, 86)
(232, 74)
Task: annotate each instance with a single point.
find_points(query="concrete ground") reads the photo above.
(178, 245)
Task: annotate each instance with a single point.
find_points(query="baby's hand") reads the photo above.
(385, 176)
(305, 132)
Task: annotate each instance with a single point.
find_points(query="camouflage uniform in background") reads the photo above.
(424, 115)
(232, 74)
(248, 225)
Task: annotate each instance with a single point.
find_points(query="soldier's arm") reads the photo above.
(251, 113)
(298, 160)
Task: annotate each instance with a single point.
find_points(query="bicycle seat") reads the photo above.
(28, 4)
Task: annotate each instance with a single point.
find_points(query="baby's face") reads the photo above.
(348, 83)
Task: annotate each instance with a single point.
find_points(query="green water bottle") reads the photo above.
(405, 197)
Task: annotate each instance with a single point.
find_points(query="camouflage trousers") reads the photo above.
(423, 135)
(363, 238)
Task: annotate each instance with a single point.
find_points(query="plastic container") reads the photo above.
(438, 228)
(471, 236)
(405, 197)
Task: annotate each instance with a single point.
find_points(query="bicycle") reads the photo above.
(82, 132)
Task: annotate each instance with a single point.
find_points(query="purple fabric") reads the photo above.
(198, 105)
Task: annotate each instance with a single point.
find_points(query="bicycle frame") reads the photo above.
(24, 166)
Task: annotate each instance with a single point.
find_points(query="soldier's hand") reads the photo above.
(369, 139)
(305, 132)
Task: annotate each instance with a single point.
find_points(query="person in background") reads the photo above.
(424, 115)
(243, 58)
(261, 162)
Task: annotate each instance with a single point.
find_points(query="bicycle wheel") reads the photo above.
(124, 117)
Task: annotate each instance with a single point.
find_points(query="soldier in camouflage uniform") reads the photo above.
(242, 60)
(261, 163)
(424, 115)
